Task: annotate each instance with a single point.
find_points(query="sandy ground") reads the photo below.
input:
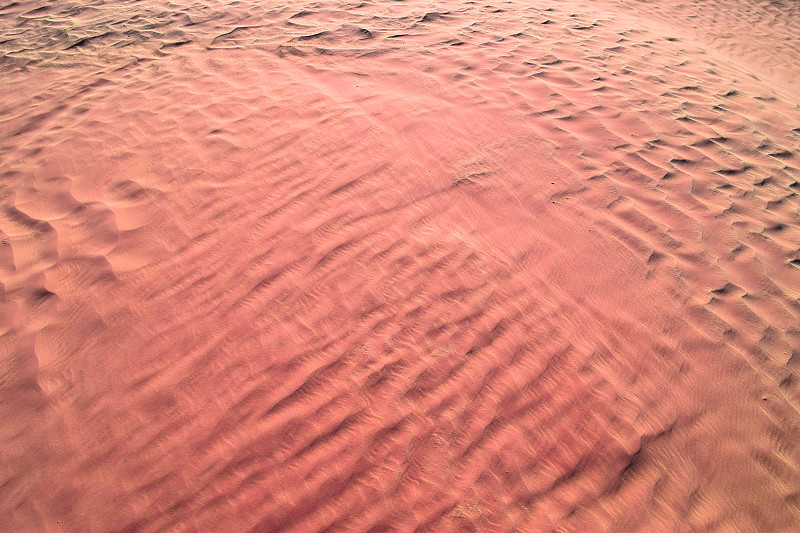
(399, 266)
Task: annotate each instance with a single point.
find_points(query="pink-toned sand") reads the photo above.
(399, 266)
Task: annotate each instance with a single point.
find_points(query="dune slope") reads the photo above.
(399, 266)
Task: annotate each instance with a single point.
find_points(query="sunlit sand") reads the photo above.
(399, 266)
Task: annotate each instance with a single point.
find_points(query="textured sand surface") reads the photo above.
(400, 266)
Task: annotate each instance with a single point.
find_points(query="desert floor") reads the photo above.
(399, 266)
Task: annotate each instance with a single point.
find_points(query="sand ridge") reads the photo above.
(384, 266)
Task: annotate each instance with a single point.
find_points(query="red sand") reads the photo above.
(400, 266)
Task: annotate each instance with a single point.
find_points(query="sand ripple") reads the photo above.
(399, 266)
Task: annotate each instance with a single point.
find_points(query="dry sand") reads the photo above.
(399, 266)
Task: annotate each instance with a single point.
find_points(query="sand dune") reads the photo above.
(399, 266)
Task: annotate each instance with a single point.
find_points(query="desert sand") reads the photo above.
(399, 266)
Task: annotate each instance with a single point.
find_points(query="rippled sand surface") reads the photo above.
(399, 266)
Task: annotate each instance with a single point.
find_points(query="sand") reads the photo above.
(399, 266)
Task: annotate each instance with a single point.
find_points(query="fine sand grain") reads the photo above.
(399, 266)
